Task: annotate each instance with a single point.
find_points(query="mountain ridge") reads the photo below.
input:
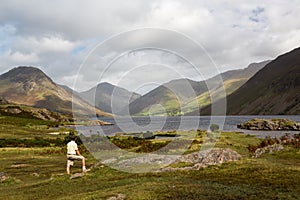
(31, 86)
(186, 96)
(106, 96)
(274, 90)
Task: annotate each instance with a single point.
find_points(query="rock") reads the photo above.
(37, 113)
(271, 149)
(206, 158)
(118, 197)
(98, 123)
(77, 175)
(3, 176)
(108, 161)
(19, 165)
(36, 174)
(198, 159)
(270, 124)
(151, 159)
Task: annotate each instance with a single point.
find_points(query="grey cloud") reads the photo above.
(58, 35)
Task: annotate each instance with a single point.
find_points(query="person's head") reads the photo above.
(73, 137)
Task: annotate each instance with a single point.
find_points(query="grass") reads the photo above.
(269, 177)
(24, 128)
(39, 173)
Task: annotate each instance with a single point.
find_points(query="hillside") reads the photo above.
(232, 80)
(167, 98)
(106, 95)
(30, 86)
(23, 111)
(273, 90)
(187, 96)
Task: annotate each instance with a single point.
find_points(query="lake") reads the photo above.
(143, 124)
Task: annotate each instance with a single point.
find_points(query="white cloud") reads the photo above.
(19, 58)
(57, 35)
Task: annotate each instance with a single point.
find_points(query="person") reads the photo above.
(74, 154)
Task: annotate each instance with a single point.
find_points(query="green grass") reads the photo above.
(205, 99)
(39, 173)
(269, 177)
(24, 128)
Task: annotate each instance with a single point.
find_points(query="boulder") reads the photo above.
(198, 160)
(3, 176)
(77, 175)
(270, 124)
(118, 197)
(268, 149)
(206, 158)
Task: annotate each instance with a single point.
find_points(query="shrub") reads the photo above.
(214, 127)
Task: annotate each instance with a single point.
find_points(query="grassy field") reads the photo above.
(39, 173)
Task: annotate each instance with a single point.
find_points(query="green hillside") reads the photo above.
(273, 90)
(30, 86)
(185, 96)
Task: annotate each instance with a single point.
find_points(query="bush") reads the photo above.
(214, 127)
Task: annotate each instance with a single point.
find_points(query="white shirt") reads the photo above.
(72, 147)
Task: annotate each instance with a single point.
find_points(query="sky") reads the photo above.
(139, 44)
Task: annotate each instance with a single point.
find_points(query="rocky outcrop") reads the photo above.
(268, 149)
(270, 124)
(31, 112)
(195, 160)
(206, 158)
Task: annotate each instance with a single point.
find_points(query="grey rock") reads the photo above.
(268, 149)
(118, 197)
(270, 124)
(77, 175)
(206, 158)
(3, 176)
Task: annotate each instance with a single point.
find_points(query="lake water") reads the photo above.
(143, 124)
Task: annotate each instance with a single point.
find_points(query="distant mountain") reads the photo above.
(273, 90)
(167, 98)
(187, 96)
(30, 86)
(106, 95)
(232, 80)
(68, 89)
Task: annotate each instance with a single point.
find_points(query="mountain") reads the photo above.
(106, 95)
(273, 90)
(30, 86)
(167, 98)
(187, 96)
(232, 80)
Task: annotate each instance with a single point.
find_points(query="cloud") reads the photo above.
(58, 35)
(20, 58)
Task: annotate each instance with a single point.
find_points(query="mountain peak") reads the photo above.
(25, 74)
(105, 94)
(31, 86)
